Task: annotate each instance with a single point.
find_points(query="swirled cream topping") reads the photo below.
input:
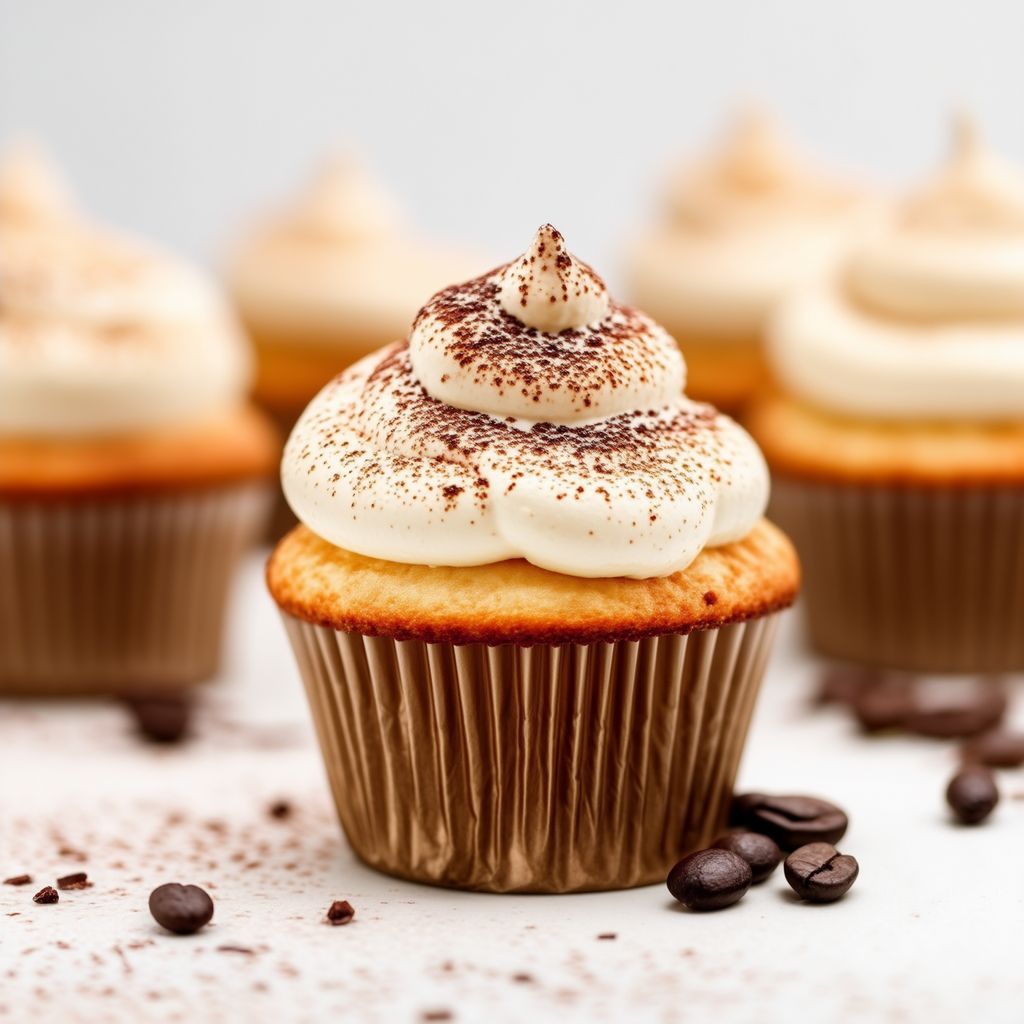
(927, 319)
(743, 228)
(483, 438)
(337, 260)
(98, 333)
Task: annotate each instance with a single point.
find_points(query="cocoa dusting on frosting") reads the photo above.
(483, 438)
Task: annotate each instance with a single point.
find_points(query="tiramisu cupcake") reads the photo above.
(897, 435)
(739, 230)
(132, 473)
(328, 279)
(532, 594)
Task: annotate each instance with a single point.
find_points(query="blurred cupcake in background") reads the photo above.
(332, 276)
(530, 573)
(132, 472)
(896, 438)
(739, 230)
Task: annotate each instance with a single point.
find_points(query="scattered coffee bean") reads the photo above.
(843, 684)
(999, 748)
(710, 879)
(819, 873)
(972, 794)
(162, 718)
(46, 895)
(791, 821)
(78, 880)
(340, 912)
(182, 909)
(887, 705)
(18, 880)
(761, 852)
(280, 809)
(968, 714)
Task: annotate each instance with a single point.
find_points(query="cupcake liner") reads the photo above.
(923, 579)
(532, 769)
(102, 595)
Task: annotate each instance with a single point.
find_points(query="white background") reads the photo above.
(181, 118)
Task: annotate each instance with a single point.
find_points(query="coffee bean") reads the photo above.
(46, 895)
(791, 821)
(162, 718)
(759, 851)
(968, 714)
(710, 879)
(885, 706)
(972, 794)
(819, 873)
(999, 748)
(182, 909)
(340, 912)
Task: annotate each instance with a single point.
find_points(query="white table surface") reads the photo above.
(933, 931)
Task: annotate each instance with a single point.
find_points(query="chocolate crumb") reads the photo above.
(18, 880)
(76, 880)
(245, 950)
(523, 978)
(437, 1015)
(46, 895)
(161, 718)
(710, 597)
(280, 809)
(340, 912)
(608, 935)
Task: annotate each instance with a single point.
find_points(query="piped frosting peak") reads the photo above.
(547, 288)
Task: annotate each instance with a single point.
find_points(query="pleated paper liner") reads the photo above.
(928, 580)
(103, 595)
(532, 769)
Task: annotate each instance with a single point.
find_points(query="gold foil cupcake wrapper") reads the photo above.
(102, 595)
(930, 580)
(532, 769)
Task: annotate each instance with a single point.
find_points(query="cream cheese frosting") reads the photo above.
(743, 228)
(100, 333)
(926, 320)
(337, 259)
(483, 438)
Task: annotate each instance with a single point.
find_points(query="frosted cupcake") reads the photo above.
(132, 473)
(532, 595)
(740, 230)
(897, 437)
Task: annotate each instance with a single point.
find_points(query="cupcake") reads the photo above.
(896, 434)
(532, 593)
(132, 472)
(740, 229)
(327, 280)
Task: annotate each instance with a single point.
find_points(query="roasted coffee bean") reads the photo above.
(340, 912)
(46, 895)
(791, 821)
(969, 714)
(819, 873)
(972, 794)
(710, 879)
(759, 851)
(999, 748)
(162, 718)
(885, 706)
(182, 909)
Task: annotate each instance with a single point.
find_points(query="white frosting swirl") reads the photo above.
(336, 260)
(744, 227)
(381, 464)
(99, 334)
(928, 321)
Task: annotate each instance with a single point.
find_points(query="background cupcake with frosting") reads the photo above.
(530, 573)
(132, 472)
(896, 436)
(739, 230)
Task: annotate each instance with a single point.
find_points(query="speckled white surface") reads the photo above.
(931, 932)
